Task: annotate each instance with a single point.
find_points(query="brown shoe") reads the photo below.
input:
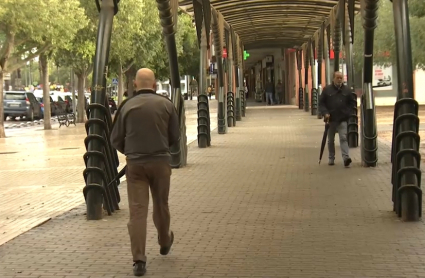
(164, 250)
(139, 268)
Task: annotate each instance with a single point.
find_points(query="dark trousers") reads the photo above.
(141, 177)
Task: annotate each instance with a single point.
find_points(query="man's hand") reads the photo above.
(326, 118)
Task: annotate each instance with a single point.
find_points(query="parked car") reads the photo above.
(163, 93)
(54, 108)
(21, 104)
(384, 82)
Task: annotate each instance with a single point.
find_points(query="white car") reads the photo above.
(163, 93)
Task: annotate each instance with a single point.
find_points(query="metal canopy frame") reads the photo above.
(284, 23)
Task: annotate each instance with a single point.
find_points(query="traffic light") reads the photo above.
(245, 54)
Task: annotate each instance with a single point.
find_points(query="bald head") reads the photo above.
(145, 80)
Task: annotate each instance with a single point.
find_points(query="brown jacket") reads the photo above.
(145, 127)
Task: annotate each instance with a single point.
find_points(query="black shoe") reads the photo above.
(331, 162)
(347, 162)
(139, 268)
(164, 250)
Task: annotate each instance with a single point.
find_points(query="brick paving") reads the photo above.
(41, 172)
(255, 204)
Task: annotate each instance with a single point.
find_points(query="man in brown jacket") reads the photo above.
(145, 127)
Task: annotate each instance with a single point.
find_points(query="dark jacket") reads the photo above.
(338, 102)
(269, 87)
(145, 127)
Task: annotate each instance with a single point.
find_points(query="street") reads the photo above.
(41, 171)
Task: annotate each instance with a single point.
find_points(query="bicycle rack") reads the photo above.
(108, 157)
(243, 102)
(314, 101)
(369, 135)
(231, 120)
(406, 178)
(300, 98)
(353, 127)
(204, 123)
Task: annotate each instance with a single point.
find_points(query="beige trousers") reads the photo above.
(141, 177)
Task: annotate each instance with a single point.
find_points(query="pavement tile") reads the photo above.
(254, 204)
(42, 174)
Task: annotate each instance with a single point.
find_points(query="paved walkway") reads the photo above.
(255, 204)
(41, 172)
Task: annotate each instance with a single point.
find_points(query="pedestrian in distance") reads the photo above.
(269, 92)
(336, 103)
(144, 128)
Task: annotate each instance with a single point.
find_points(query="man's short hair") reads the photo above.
(337, 72)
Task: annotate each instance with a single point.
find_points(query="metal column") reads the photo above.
(230, 96)
(336, 42)
(300, 80)
(406, 172)
(202, 12)
(204, 136)
(368, 123)
(320, 50)
(314, 95)
(241, 77)
(306, 66)
(353, 128)
(100, 159)
(326, 53)
(235, 48)
(218, 41)
(168, 16)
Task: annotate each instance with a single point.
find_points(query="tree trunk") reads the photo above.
(46, 91)
(2, 119)
(13, 80)
(130, 74)
(120, 86)
(40, 74)
(81, 114)
(7, 84)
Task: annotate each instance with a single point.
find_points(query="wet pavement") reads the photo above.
(254, 204)
(41, 172)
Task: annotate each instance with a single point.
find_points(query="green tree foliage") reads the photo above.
(80, 52)
(29, 28)
(187, 50)
(190, 57)
(135, 38)
(143, 44)
(384, 44)
(417, 8)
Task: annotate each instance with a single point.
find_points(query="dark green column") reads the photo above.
(406, 159)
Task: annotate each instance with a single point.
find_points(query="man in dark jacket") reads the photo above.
(145, 127)
(269, 92)
(336, 103)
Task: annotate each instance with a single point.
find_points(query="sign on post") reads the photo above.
(115, 81)
(6, 76)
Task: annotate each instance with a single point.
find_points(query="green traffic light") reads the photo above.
(245, 54)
